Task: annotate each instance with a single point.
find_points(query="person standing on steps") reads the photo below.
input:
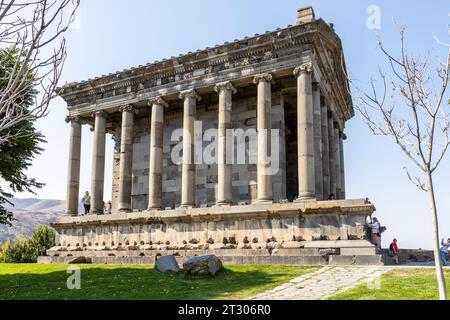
(443, 252)
(375, 233)
(86, 202)
(109, 207)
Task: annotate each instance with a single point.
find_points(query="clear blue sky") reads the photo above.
(114, 35)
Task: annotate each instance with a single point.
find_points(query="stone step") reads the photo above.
(64, 260)
(369, 260)
(124, 260)
(324, 244)
(270, 260)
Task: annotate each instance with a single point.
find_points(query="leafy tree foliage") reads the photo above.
(27, 250)
(17, 153)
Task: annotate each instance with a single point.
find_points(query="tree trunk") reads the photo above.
(436, 244)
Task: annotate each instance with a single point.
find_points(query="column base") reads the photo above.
(223, 204)
(155, 207)
(263, 201)
(70, 213)
(306, 199)
(187, 206)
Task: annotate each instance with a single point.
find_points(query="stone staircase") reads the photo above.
(333, 253)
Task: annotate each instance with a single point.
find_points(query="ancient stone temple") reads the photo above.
(281, 93)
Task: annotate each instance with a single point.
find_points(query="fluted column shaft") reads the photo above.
(332, 153)
(341, 151)
(224, 159)
(156, 153)
(325, 152)
(305, 141)
(126, 158)
(337, 159)
(318, 142)
(188, 186)
(73, 169)
(264, 129)
(98, 163)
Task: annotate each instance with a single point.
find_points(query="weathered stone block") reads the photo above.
(167, 264)
(372, 260)
(201, 265)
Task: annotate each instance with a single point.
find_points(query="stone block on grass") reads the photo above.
(167, 264)
(210, 264)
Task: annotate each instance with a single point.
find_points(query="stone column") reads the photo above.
(73, 171)
(341, 150)
(116, 137)
(325, 153)
(332, 151)
(188, 186)
(224, 167)
(264, 129)
(318, 141)
(337, 161)
(156, 153)
(305, 139)
(98, 163)
(126, 158)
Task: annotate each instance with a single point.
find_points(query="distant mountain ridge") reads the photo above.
(30, 214)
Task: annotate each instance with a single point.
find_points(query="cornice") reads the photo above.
(241, 52)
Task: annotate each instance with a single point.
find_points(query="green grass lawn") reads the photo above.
(399, 284)
(33, 281)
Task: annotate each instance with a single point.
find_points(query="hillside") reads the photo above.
(30, 214)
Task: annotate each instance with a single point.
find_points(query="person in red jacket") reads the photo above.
(393, 250)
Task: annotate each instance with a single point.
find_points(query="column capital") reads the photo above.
(126, 108)
(73, 119)
(99, 113)
(267, 77)
(227, 85)
(190, 93)
(158, 100)
(306, 67)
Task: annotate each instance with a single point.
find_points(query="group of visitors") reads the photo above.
(376, 230)
(86, 202)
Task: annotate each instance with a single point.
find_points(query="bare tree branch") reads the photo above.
(406, 112)
(34, 29)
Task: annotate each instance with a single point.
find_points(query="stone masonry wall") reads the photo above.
(311, 227)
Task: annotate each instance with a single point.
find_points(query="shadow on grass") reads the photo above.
(139, 282)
